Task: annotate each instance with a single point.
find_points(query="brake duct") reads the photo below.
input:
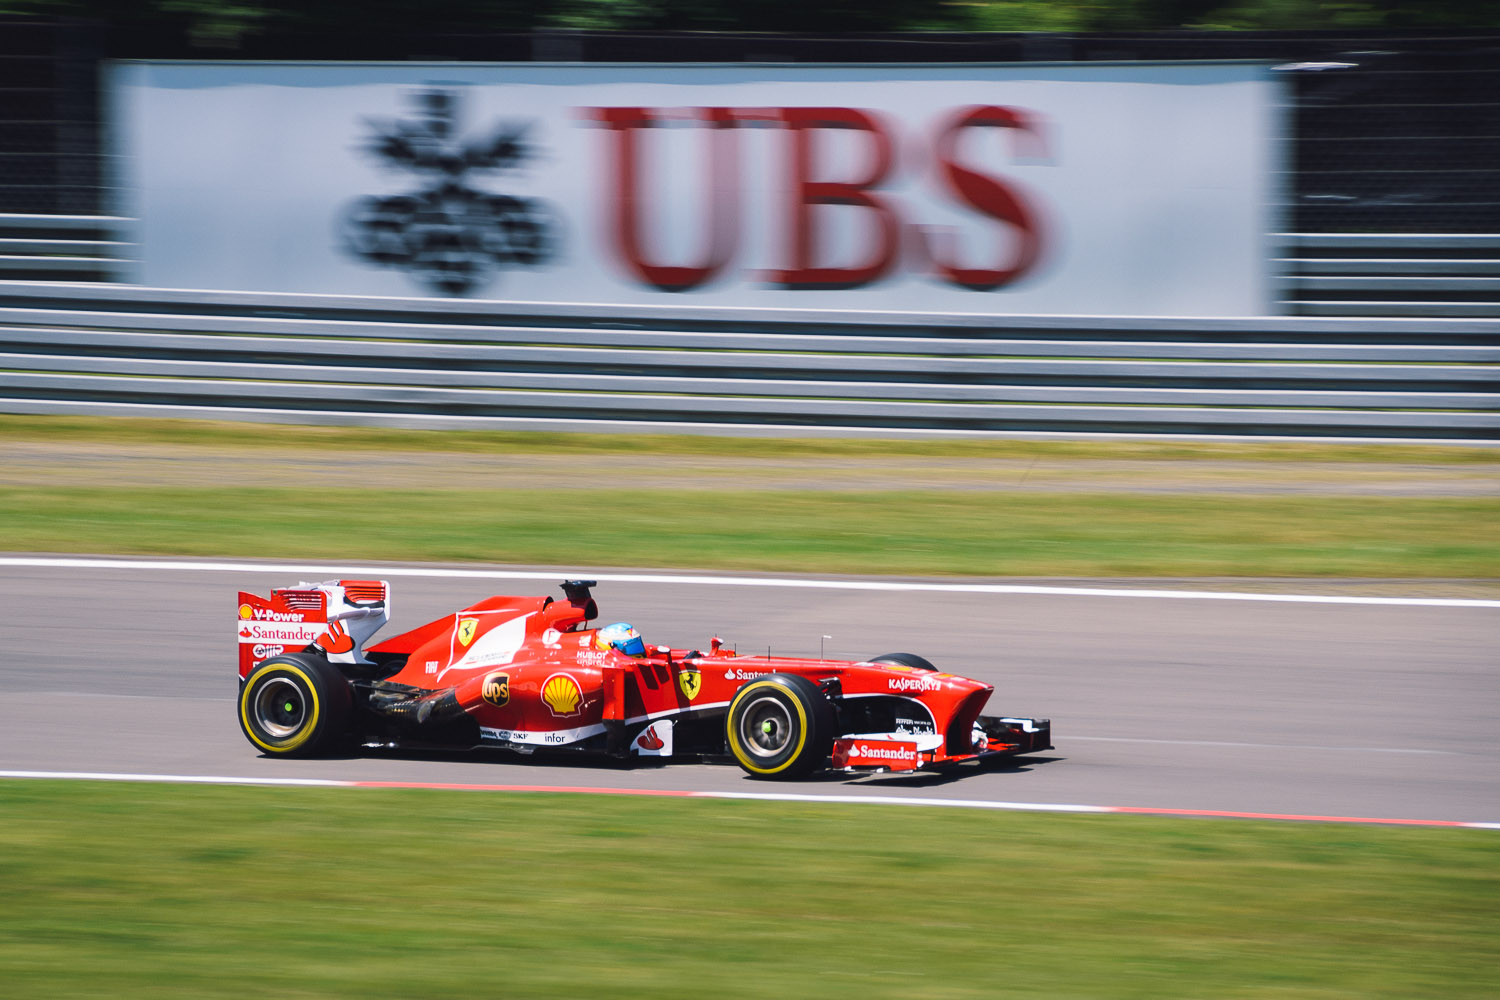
(412, 706)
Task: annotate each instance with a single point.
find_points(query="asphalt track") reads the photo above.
(1267, 705)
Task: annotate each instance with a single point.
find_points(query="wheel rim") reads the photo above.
(280, 709)
(766, 727)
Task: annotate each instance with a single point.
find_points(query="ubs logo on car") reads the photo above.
(496, 689)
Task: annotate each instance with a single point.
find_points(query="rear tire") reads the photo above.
(295, 705)
(905, 660)
(780, 726)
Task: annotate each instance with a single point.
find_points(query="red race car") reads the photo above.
(529, 673)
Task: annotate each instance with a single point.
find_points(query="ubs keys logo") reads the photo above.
(496, 689)
(448, 234)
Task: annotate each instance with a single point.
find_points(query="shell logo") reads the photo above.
(562, 695)
(246, 611)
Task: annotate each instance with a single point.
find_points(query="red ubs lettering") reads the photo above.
(804, 265)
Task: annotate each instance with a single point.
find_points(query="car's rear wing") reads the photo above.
(339, 616)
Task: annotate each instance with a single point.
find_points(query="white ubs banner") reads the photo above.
(1088, 189)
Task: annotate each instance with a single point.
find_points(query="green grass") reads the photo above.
(160, 891)
(225, 435)
(979, 533)
(1188, 521)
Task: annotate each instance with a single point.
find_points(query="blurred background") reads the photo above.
(1361, 245)
(1367, 186)
(1406, 139)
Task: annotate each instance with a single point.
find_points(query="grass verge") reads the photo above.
(983, 534)
(161, 891)
(232, 436)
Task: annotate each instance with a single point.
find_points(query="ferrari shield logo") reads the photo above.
(689, 682)
(466, 627)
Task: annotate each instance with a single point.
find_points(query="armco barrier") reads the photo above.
(1324, 274)
(61, 247)
(1392, 274)
(96, 348)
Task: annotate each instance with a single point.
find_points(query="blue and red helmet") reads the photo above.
(621, 636)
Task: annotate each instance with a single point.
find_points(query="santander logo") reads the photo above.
(896, 753)
(286, 633)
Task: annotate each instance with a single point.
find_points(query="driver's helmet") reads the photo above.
(621, 636)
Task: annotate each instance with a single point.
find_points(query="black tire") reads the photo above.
(780, 726)
(295, 705)
(905, 660)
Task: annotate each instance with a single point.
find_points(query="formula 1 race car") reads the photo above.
(529, 673)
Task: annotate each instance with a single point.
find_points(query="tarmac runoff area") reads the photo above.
(1180, 701)
(62, 464)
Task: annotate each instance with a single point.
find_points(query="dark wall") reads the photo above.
(50, 160)
(1406, 139)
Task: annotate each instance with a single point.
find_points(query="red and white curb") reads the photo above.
(888, 800)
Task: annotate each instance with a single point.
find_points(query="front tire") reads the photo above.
(780, 726)
(905, 660)
(295, 705)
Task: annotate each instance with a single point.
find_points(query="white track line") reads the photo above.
(888, 800)
(177, 779)
(895, 586)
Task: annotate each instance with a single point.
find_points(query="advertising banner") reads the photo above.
(1089, 189)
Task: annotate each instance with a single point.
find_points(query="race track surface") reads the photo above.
(1279, 707)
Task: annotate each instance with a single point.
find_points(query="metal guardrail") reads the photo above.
(1325, 274)
(95, 348)
(61, 247)
(1393, 274)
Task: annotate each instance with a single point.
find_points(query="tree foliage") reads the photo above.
(229, 20)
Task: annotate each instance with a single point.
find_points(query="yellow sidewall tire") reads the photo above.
(324, 698)
(807, 711)
(741, 753)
